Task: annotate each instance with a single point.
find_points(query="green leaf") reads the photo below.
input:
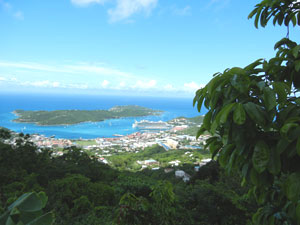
(292, 186)
(257, 17)
(255, 113)
(239, 114)
(31, 204)
(274, 165)
(200, 101)
(254, 177)
(19, 200)
(261, 156)
(225, 112)
(281, 146)
(214, 148)
(225, 153)
(200, 131)
(46, 219)
(297, 65)
(207, 120)
(253, 65)
(279, 89)
(286, 128)
(295, 51)
(43, 197)
(269, 98)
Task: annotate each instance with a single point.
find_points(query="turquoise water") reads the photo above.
(172, 107)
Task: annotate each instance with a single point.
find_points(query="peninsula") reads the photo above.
(69, 117)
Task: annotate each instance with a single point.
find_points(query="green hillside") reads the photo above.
(68, 117)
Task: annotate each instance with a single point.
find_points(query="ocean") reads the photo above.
(172, 107)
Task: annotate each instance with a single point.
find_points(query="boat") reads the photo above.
(151, 125)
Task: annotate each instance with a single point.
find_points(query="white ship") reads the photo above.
(151, 125)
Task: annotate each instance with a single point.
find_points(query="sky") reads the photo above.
(127, 47)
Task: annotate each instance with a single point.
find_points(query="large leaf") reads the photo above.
(280, 89)
(239, 115)
(261, 156)
(292, 187)
(207, 120)
(225, 112)
(46, 219)
(255, 113)
(286, 128)
(297, 65)
(32, 203)
(269, 98)
(224, 154)
(282, 145)
(296, 51)
(274, 165)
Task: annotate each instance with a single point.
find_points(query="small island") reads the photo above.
(69, 117)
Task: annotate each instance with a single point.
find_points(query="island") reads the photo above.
(69, 117)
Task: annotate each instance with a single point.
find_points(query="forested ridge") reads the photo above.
(68, 117)
(82, 190)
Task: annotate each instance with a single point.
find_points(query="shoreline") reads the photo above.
(150, 112)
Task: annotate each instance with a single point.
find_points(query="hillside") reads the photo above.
(82, 190)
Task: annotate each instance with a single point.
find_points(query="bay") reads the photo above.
(172, 107)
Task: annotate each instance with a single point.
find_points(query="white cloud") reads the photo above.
(192, 86)
(105, 83)
(122, 84)
(126, 8)
(168, 87)
(43, 84)
(19, 15)
(3, 79)
(144, 85)
(78, 86)
(87, 2)
(182, 11)
(72, 69)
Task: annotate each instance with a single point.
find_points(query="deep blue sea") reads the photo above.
(172, 107)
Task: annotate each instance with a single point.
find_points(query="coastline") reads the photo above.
(150, 112)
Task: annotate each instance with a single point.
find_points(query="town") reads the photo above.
(175, 136)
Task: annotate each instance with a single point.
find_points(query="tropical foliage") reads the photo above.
(254, 117)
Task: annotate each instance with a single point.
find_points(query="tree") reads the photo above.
(254, 118)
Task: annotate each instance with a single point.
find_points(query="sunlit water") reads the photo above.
(172, 107)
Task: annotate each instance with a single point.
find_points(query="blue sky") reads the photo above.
(127, 47)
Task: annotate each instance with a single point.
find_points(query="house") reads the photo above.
(150, 162)
(168, 170)
(172, 143)
(179, 173)
(186, 177)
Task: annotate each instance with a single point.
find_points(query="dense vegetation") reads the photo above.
(67, 117)
(123, 161)
(82, 190)
(254, 117)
